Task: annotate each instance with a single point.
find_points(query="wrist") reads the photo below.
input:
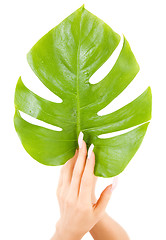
(100, 222)
(65, 234)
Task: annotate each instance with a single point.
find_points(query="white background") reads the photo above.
(28, 204)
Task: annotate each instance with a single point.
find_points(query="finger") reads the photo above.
(78, 170)
(102, 202)
(86, 185)
(68, 168)
(64, 174)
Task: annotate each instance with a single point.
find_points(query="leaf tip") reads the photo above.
(83, 6)
(135, 63)
(150, 90)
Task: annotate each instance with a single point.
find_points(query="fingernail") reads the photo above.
(110, 187)
(90, 150)
(80, 139)
(114, 183)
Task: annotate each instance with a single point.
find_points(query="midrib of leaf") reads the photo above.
(77, 84)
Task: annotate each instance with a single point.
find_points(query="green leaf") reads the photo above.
(64, 60)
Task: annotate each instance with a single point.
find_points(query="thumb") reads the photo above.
(102, 202)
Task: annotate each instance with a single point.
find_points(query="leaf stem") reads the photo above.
(77, 85)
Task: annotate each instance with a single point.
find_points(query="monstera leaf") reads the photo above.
(64, 60)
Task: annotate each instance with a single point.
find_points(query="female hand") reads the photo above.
(75, 193)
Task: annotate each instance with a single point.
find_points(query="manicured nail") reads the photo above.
(90, 150)
(114, 183)
(80, 139)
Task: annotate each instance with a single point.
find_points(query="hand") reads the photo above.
(75, 193)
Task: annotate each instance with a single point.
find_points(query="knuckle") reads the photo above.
(86, 181)
(60, 196)
(77, 173)
(69, 202)
(84, 151)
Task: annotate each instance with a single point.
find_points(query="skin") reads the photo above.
(80, 212)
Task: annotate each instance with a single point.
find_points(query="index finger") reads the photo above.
(67, 170)
(87, 180)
